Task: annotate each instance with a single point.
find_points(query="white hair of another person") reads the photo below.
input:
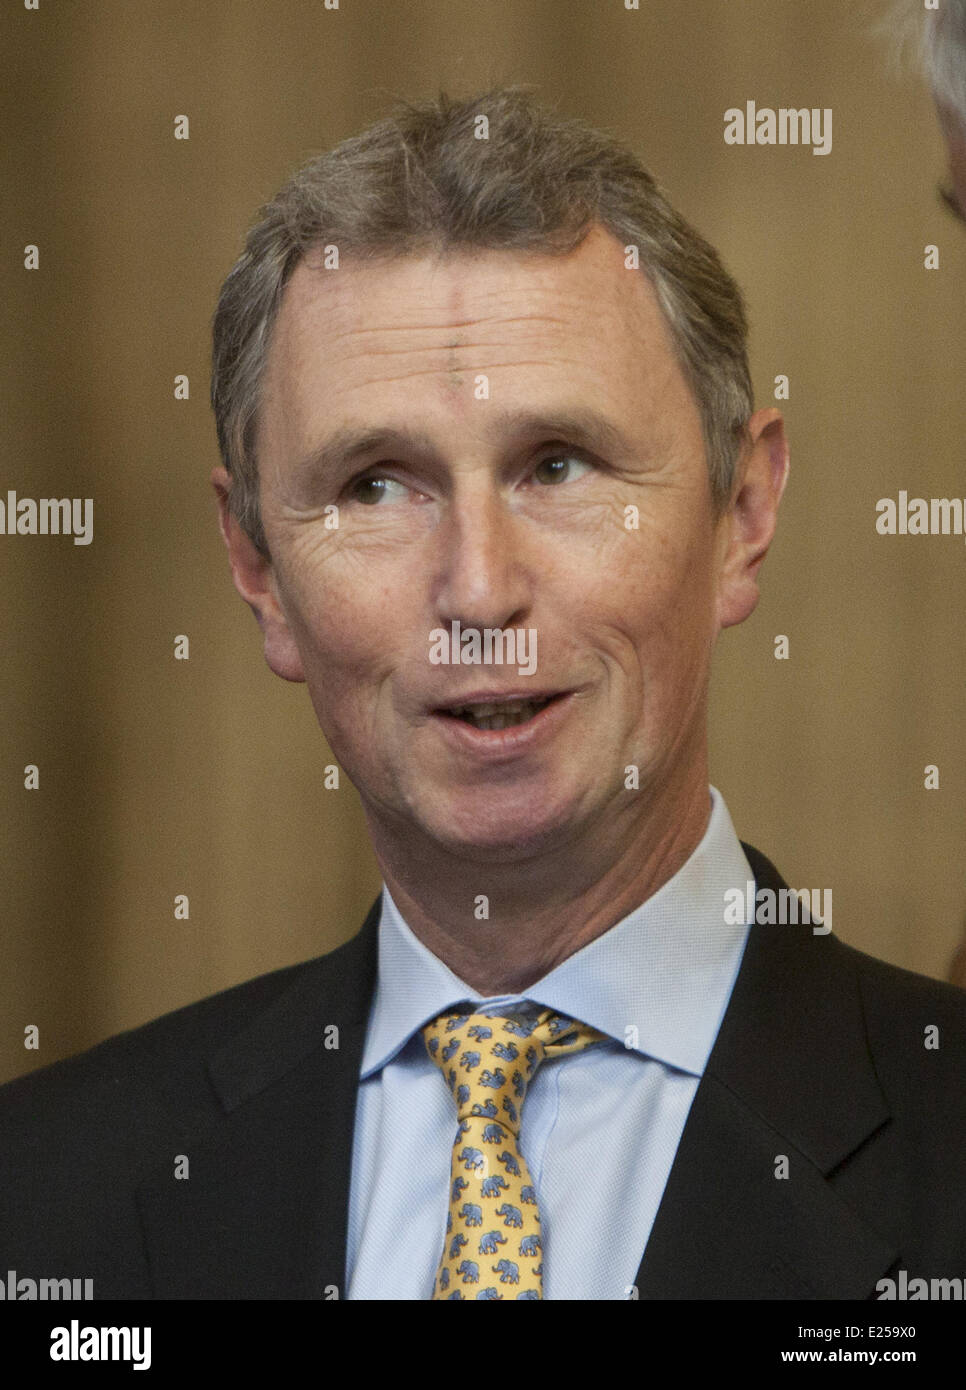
(937, 40)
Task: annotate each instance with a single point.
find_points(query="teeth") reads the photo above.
(504, 707)
(499, 715)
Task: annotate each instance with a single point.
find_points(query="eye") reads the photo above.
(371, 490)
(559, 468)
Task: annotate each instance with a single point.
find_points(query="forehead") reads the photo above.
(420, 329)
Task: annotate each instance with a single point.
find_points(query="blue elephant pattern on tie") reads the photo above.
(493, 1248)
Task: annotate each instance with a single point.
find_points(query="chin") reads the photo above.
(490, 829)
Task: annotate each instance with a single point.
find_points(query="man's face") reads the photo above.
(490, 426)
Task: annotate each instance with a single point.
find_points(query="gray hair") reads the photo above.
(422, 180)
(937, 41)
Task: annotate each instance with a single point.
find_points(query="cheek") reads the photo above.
(665, 603)
(670, 567)
(346, 627)
(336, 609)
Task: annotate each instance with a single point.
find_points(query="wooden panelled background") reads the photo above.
(204, 777)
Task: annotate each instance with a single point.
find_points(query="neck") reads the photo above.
(542, 908)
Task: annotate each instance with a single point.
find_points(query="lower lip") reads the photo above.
(494, 744)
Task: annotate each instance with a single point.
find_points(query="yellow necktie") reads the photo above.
(492, 1247)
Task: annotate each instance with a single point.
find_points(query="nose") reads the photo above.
(482, 578)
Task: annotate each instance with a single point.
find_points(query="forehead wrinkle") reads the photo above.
(462, 356)
(453, 370)
(444, 326)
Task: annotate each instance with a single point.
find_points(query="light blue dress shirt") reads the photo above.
(599, 1129)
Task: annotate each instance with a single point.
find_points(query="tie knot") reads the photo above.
(488, 1061)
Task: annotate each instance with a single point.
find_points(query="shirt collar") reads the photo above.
(657, 982)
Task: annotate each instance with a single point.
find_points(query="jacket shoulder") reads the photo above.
(79, 1137)
(158, 1068)
(917, 1030)
(915, 1025)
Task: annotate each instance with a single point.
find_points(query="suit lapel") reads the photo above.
(263, 1213)
(790, 1074)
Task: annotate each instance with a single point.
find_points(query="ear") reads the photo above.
(749, 524)
(254, 578)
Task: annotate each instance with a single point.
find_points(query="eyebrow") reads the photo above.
(584, 428)
(573, 426)
(347, 446)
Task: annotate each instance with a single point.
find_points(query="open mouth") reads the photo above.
(499, 714)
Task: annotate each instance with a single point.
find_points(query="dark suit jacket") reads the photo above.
(820, 1057)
